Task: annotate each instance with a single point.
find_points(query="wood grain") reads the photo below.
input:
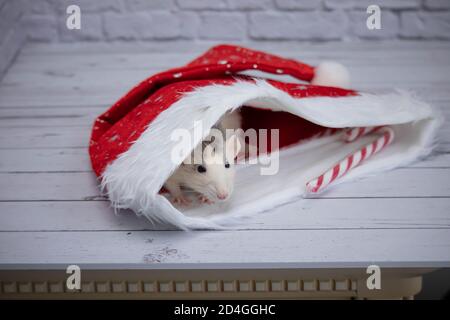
(51, 211)
(307, 214)
(258, 248)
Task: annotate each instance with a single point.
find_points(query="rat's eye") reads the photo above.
(201, 169)
(227, 165)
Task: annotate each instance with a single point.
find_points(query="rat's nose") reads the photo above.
(222, 195)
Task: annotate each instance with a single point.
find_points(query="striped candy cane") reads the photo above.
(352, 134)
(355, 159)
(326, 133)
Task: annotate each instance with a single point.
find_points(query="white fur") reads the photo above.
(216, 180)
(332, 74)
(134, 179)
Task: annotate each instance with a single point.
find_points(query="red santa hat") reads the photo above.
(130, 148)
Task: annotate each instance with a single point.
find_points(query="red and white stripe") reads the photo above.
(352, 134)
(353, 160)
(327, 132)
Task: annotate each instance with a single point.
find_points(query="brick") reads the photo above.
(298, 4)
(41, 28)
(10, 14)
(363, 4)
(90, 6)
(122, 26)
(41, 6)
(433, 25)
(10, 47)
(390, 25)
(190, 24)
(138, 5)
(298, 25)
(248, 4)
(91, 29)
(437, 4)
(141, 26)
(202, 4)
(223, 26)
(164, 25)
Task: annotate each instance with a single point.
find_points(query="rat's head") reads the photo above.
(213, 176)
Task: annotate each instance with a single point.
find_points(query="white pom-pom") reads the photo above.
(331, 74)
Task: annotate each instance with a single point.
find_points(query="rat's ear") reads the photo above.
(209, 154)
(233, 146)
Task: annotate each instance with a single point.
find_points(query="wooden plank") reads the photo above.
(57, 116)
(77, 159)
(101, 61)
(47, 160)
(48, 186)
(70, 96)
(438, 160)
(138, 67)
(44, 137)
(62, 100)
(293, 248)
(85, 115)
(101, 95)
(82, 118)
(47, 79)
(197, 48)
(403, 75)
(59, 85)
(301, 214)
(138, 60)
(406, 182)
(73, 136)
(83, 95)
(54, 219)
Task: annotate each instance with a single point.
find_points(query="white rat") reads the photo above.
(212, 176)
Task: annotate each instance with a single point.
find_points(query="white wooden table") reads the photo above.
(51, 214)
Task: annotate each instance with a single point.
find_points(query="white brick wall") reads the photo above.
(12, 32)
(233, 20)
(321, 25)
(223, 25)
(418, 25)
